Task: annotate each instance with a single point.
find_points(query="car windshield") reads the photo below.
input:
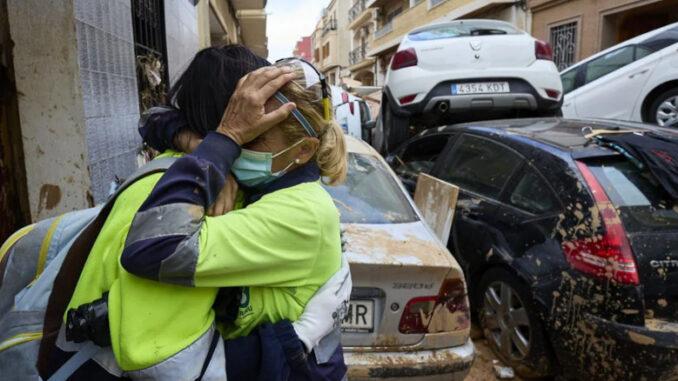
(642, 203)
(476, 28)
(370, 194)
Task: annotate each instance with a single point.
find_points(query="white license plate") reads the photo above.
(359, 317)
(480, 88)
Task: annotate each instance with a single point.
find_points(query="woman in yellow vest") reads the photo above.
(280, 248)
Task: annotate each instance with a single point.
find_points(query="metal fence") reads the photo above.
(385, 29)
(148, 21)
(563, 38)
(356, 55)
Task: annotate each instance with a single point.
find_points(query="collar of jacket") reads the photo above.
(307, 173)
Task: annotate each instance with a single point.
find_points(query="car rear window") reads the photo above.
(463, 30)
(370, 194)
(642, 203)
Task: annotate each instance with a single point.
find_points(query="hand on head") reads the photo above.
(245, 117)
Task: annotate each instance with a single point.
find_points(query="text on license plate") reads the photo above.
(480, 88)
(359, 317)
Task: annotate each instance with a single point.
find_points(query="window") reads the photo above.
(608, 63)
(433, 3)
(148, 23)
(532, 194)
(481, 166)
(370, 194)
(563, 38)
(569, 79)
(316, 55)
(420, 156)
(326, 50)
(474, 28)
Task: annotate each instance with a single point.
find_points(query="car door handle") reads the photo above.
(638, 73)
(470, 215)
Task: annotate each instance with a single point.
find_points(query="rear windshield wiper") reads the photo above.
(486, 31)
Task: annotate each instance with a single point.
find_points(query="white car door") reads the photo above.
(611, 84)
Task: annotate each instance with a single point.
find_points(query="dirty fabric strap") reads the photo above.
(75, 362)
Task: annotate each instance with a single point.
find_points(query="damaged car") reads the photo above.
(408, 317)
(568, 240)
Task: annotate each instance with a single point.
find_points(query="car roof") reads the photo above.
(631, 41)
(563, 134)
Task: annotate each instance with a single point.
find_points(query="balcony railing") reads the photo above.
(330, 25)
(357, 55)
(384, 30)
(356, 10)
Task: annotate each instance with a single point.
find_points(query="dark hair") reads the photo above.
(205, 87)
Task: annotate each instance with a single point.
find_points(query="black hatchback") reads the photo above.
(570, 250)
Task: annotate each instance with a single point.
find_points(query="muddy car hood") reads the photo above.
(405, 244)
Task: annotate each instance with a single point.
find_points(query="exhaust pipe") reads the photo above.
(443, 107)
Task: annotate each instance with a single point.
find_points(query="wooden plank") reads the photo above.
(436, 199)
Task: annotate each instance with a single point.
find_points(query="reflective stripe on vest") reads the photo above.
(184, 365)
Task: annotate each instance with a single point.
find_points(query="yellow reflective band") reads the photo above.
(20, 339)
(13, 239)
(327, 109)
(42, 258)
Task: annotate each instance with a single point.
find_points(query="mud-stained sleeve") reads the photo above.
(165, 230)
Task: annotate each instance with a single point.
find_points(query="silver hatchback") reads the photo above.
(409, 314)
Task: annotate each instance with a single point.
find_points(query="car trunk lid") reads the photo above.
(650, 219)
(391, 264)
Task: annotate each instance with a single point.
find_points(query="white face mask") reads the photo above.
(253, 168)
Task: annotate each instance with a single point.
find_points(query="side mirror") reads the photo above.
(369, 125)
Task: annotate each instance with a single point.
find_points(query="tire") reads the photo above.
(508, 318)
(664, 109)
(394, 128)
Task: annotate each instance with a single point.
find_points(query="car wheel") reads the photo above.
(394, 127)
(664, 109)
(511, 325)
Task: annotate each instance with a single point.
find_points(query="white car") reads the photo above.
(467, 70)
(352, 113)
(636, 80)
(409, 317)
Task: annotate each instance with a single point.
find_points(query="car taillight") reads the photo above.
(552, 93)
(404, 58)
(344, 100)
(448, 311)
(543, 50)
(607, 256)
(407, 99)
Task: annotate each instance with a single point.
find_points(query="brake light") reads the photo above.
(448, 311)
(404, 58)
(607, 256)
(552, 93)
(543, 50)
(344, 97)
(344, 100)
(407, 99)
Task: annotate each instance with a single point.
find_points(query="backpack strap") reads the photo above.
(69, 273)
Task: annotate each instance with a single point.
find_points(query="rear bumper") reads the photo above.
(438, 364)
(620, 351)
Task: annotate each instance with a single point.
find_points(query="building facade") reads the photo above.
(330, 42)
(579, 28)
(362, 24)
(302, 49)
(75, 75)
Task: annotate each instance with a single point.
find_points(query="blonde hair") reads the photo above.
(331, 155)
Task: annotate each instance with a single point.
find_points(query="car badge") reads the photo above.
(475, 45)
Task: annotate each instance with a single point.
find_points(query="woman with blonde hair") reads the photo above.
(276, 141)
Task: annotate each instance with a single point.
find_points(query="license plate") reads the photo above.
(359, 317)
(480, 88)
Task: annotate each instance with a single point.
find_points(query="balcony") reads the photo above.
(356, 55)
(240, 5)
(356, 10)
(329, 26)
(384, 30)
